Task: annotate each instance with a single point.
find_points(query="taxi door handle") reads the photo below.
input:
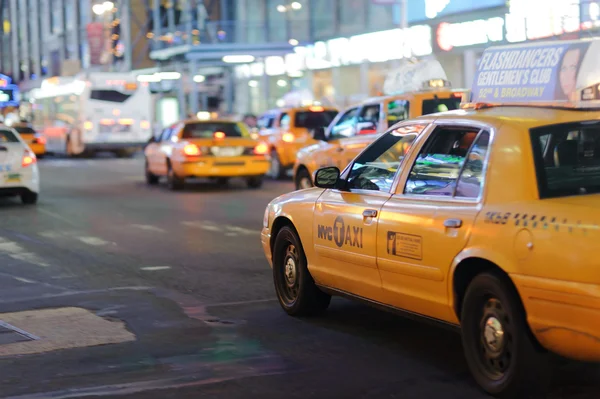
(369, 213)
(452, 223)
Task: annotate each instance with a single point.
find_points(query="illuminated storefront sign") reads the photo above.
(537, 19)
(480, 31)
(9, 93)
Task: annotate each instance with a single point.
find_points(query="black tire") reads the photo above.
(296, 290)
(174, 182)
(223, 181)
(29, 198)
(303, 179)
(255, 182)
(277, 171)
(502, 353)
(151, 178)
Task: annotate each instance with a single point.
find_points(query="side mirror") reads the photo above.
(327, 177)
(319, 134)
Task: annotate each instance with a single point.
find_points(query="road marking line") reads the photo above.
(71, 293)
(152, 268)
(95, 241)
(23, 280)
(241, 302)
(55, 215)
(17, 252)
(228, 230)
(148, 227)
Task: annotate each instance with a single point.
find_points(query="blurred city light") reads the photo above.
(238, 59)
(296, 5)
(199, 78)
(293, 42)
(281, 8)
(100, 9)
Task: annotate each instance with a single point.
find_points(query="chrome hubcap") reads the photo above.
(493, 334)
(290, 272)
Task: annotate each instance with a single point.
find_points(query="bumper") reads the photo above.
(38, 149)
(28, 180)
(114, 146)
(563, 316)
(234, 167)
(265, 239)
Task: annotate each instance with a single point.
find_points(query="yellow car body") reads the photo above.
(407, 249)
(289, 129)
(206, 149)
(35, 141)
(352, 130)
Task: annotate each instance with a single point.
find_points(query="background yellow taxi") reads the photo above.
(289, 129)
(36, 141)
(217, 149)
(483, 219)
(351, 130)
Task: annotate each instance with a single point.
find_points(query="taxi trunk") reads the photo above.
(227, 157)
(12, 169)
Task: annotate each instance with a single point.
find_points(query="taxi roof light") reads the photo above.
(316, 108)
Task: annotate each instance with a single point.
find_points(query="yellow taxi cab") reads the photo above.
(216, 149)
(352, 130)
(484, 218)
(289, 129)
(36, 141)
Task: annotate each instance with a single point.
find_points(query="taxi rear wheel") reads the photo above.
(303, 179)
(501, 351)
(29, 198)
(255, 182)
(296, 290)
(277, 171)
(151, 178)
(174, 182)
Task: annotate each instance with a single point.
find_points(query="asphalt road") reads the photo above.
(186, 275)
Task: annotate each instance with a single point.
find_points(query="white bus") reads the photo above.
(87, 113)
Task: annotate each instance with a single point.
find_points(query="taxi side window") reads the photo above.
(397, 111)
(344, 126)
(439, 165)
(284, 121)
(375, 169)
(166, 134)
(369, 116)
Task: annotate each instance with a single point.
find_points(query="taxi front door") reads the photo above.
(426, 224)
(345, 221)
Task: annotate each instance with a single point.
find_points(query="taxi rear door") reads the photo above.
(345, 220)
(428, 221)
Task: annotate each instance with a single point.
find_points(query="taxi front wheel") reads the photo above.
(174, 182)
(501, 351)
(296, 290)
(255, 182)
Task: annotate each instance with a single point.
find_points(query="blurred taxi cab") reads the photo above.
(19, 175)
(289, 129)
(352, 130)
(484, 218)
(36, 141)
(216, 149)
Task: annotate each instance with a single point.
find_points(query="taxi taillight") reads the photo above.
(261, 149)
(219, 135)
(38, 139)
(192, 150)
(28, 158)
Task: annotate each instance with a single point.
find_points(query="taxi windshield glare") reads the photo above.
(567, 159)
(433, 105)
(206, 130)
(312, 120)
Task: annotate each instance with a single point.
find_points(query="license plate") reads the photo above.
(13, 178)
(227, 151)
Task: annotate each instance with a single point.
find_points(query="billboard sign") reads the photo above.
(540, 72)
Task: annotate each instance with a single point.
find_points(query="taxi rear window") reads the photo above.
(433, 105)
(567, 158)
(206, 130)
(312, 120)
(24, 130)
(6, 136)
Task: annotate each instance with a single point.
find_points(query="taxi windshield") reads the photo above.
(206, 130)
(433, 105)
(312, 119)
(567, 158)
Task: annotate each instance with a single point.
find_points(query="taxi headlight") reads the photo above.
(266, 217)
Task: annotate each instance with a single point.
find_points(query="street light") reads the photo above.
(101, 8)
(295, 6)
